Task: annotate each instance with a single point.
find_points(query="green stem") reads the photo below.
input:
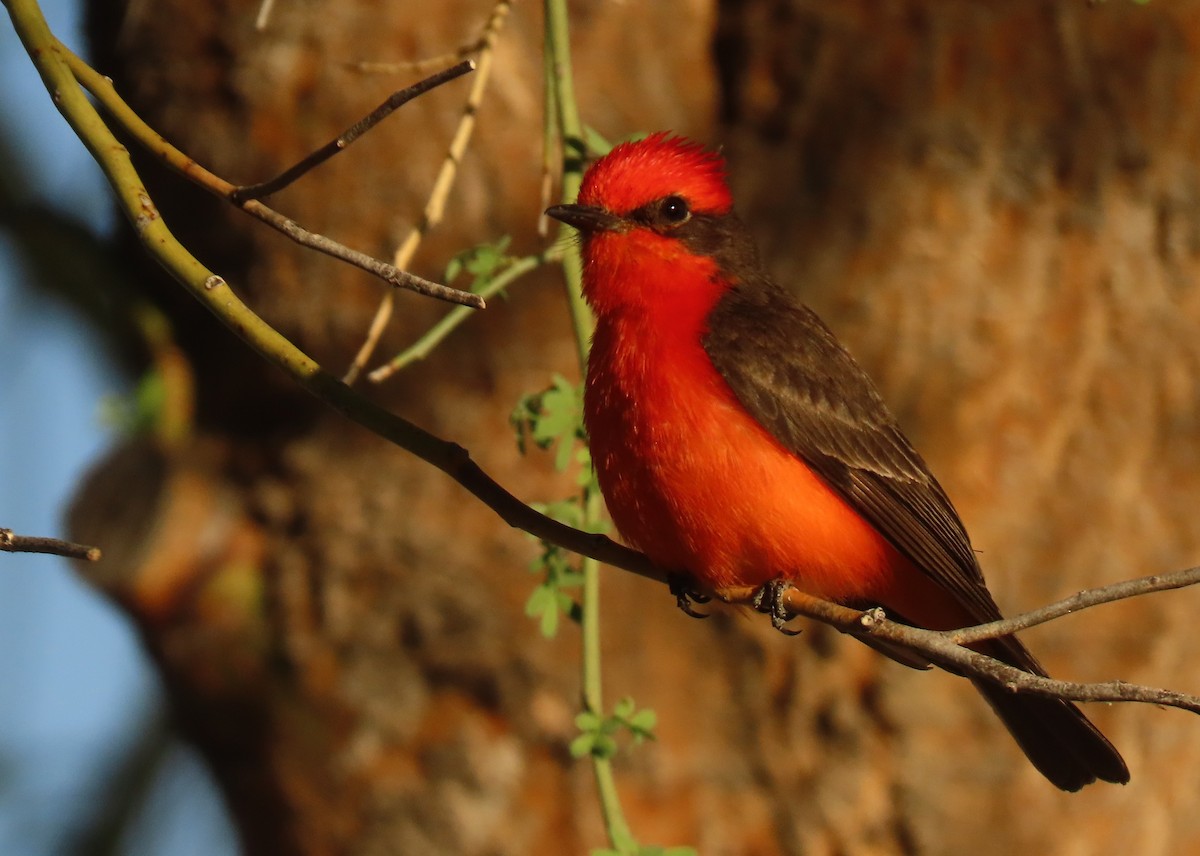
(558, 44)
(558, 48)
(619, 833)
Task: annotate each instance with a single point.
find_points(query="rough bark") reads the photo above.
(995, 206)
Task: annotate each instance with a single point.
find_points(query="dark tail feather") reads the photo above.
(1058, 739)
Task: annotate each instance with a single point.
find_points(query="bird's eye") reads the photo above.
(674, 210)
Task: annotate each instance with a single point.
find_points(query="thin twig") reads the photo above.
(101, 87)
(941, 647)
(395, 100)
(1077, 602)
(11, 542)
(383, 270)
(416, 65)
(435, 207)
(264, 15)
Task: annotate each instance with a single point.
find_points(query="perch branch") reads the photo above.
(943, 649)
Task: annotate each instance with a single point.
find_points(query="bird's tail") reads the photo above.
(1058, 739)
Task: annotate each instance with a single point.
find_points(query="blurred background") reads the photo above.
(79, 698)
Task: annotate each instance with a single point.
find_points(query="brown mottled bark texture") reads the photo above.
(996, 206)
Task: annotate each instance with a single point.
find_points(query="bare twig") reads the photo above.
(383, 270)
(435, 207)
(942, 647)
(264, 15)
(11, 542)
(395, 100)
(1077, 602)
(416, 65)
(101, 87)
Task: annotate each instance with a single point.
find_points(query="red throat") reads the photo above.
(647, 274)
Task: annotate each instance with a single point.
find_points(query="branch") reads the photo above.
(10, 542)
(395, 100)
(1075, 603)
(943, 649)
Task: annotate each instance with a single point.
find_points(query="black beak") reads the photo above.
(585, 218)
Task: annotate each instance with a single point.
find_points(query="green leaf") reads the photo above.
(587, 721)
(582, 745)
(548, 626)
(644, 721)
(587, 476)
(559, 413)
(485, 258)
(540, 600)
(483, 261)
(624, 708)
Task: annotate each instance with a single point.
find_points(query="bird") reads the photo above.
(736, 441)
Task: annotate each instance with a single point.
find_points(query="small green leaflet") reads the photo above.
(482, 261)
(598, 735)
(554, 415)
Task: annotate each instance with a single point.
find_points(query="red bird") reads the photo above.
(735, 440)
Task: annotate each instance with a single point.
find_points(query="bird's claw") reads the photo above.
(685, 595)
(769, 599)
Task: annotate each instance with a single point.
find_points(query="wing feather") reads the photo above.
(787, 369)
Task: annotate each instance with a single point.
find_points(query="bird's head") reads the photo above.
(656, 220)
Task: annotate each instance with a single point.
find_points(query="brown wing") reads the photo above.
(787, 369)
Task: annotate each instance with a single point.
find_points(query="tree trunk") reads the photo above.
(995, 207)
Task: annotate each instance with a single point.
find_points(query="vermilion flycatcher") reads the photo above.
(737, 441)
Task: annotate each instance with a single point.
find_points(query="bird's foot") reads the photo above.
(769, 600)
(684, 589)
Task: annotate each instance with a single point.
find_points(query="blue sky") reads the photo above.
(75, 687)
